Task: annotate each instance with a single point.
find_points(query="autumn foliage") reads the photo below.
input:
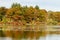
(26, 18)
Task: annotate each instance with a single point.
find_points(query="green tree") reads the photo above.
(2, 12)
(37, 7)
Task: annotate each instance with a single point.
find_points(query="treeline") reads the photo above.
(53, 18)
(25, 14)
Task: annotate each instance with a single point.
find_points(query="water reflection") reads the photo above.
(22, 35)
(31, 36)
(47, 37)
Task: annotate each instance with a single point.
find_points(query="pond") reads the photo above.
(29, 35)
(47, 37)
(50, 37)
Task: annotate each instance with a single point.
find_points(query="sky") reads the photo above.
(53, 5)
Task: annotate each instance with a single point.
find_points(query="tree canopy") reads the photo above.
(28, 14)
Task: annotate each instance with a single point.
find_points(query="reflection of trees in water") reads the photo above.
(1, 33)
(24, 34)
